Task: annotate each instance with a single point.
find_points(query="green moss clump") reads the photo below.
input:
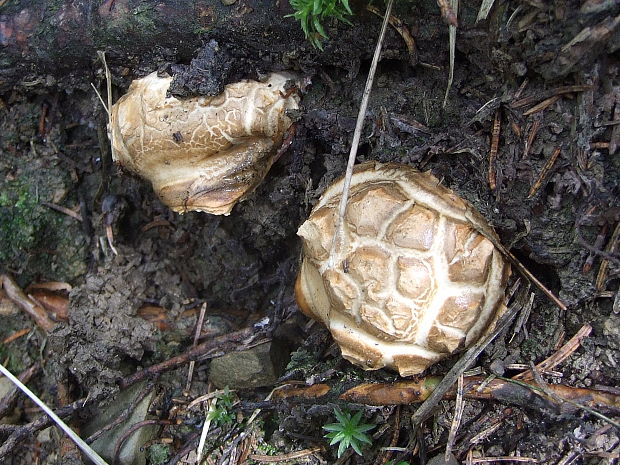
(20, 219)
(158, 454)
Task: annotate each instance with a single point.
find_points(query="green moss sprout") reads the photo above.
(348, 432)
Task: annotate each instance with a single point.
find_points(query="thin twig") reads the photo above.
(15, 293)
(456, 421)
(190, 371)
(338, 231)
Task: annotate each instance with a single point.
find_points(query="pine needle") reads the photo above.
(61, 424)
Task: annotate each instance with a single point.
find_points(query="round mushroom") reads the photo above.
(416, 277)
(201, 153)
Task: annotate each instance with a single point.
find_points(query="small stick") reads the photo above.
(403, 30)
(284, 457)
(612, 246)
(61, 209)
(7, 402)
(16, 335)
(190, 372)
(230, 342)
(338, 230)
(456, 421)
(494, 148)
(550, 93)
(544, 173)
(447, 13)
(135, 427)
(558, 357)
(542, 105)
(530, 138)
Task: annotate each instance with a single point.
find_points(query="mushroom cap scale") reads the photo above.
(201, 153)
(417, 277)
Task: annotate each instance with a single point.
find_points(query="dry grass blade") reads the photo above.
(342, 208)
(61, 424)
(404, 32)
(454, 4)
(205, 430)
(484, 10)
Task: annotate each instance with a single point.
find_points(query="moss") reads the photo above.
(158, 454)
(20, 219)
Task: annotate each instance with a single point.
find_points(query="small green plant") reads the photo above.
(222, 414)
(310, 14)
(348, 431)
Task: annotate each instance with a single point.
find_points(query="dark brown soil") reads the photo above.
(244, 265)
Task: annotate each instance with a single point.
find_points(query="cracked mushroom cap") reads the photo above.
(201, 153)
(416, 278)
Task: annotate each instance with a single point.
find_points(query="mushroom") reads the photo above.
(201, 153)
(416, 278)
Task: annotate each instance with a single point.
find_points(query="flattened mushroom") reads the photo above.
(415, 279)
(201, 153)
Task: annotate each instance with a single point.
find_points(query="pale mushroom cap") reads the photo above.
(416, 278)
(201, 153)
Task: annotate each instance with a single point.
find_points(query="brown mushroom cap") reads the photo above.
(201, 153)
(417, 277)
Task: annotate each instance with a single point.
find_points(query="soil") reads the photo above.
(244, 265)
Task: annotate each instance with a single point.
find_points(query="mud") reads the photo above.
(246, 263)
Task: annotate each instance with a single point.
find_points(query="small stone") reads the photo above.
(441, 460)
(131, 453)
(259, 366)
(228, 2)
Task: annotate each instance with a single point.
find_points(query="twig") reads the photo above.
(549, 93)
(544, 172)
(61, 424)
(133, 429)
(403, 30)
(542, 105)
(611, 248)
(8, 401)
(187, 448)
(456, 421)
(530, 138)
(124, 415)
(61, 209)
(190, 371)
(447, 13)
(494, 148)
(284, 457)
(558, 357)
(14, 292)
(230, 342)
(338, 232)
